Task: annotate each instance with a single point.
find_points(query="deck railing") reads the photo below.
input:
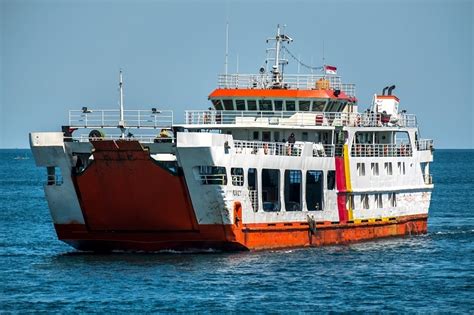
(282, 148)
(267, 148)
(289, 81)
(231, 117)
(212, 179)
(381, 150)
(140, 138)
(424, 145)
(110, 118)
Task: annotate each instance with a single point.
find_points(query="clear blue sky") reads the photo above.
(61, 55)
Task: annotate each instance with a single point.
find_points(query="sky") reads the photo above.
(62, 55)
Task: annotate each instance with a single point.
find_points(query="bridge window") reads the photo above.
(266, 105)
(237, 176)
(211, 175)
(228, 105)
(271, 189)
(217, 104)
(331, 106)
(318, 106)
(290, 106)
(331, 180)
(314, 190)
(240, 104)
(304, 136)
(388, 168)
(304, 106)
(278, 105)
(252, 104)
(340, 106)
(293, 190)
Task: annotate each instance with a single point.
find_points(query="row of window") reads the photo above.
(374, 168)
(279, 105)
(376, 201)
(270, 186)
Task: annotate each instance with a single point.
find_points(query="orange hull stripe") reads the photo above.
(239, 237)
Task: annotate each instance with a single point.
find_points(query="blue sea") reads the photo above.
(429, 273)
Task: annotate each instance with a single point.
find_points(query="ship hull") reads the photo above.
(241, 238)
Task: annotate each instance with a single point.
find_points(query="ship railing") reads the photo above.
(289, 81)
(268, 148)
(212, 179)
(293, 118)
(381, 150)
(428, 178)
(323, 150)
(110, 118)
(253, 197)
(140, 138)
(424, 145)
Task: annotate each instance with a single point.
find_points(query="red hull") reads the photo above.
(243, 237)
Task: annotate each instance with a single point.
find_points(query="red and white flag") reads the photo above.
(330, 69)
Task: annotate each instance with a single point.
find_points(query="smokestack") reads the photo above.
(390, 89)
(384, 89)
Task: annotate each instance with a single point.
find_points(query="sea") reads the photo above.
(432, 273)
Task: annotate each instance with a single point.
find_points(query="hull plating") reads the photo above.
(246, 237)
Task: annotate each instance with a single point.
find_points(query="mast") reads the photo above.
(277, 51)
(226, 62)
(121, 122)
(279, 39)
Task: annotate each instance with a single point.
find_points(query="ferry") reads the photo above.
(277, 161)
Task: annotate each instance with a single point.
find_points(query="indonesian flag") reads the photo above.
(330, 69)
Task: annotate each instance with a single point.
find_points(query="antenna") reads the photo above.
(237, 63)
(324, 60)
(226, 63)
(299, 64)
(121, 124)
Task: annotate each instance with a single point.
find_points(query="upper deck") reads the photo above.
(216, 119)
(289, 82)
